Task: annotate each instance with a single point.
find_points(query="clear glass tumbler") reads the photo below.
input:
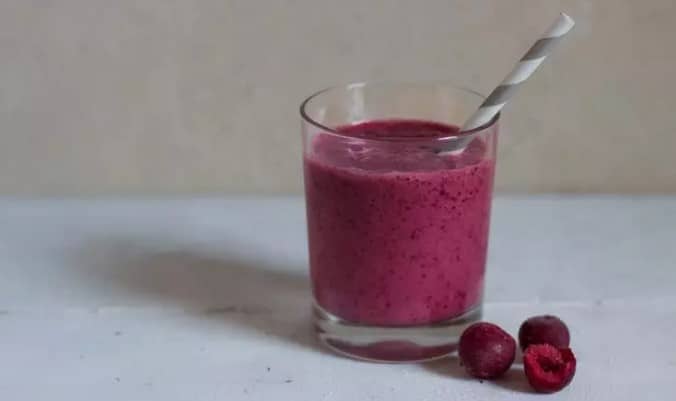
(398, 209)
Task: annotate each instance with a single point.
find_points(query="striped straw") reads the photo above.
(524, 69)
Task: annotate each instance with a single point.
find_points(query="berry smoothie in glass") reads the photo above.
(398, 210)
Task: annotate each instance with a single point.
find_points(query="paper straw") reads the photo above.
(524, 69)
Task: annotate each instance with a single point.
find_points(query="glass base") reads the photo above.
(391, 344)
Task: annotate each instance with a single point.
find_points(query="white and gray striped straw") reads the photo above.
(524, 69)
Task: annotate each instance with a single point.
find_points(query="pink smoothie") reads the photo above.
(397, 233)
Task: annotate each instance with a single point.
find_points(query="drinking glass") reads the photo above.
(398, 209)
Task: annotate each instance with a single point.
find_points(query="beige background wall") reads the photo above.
(194, 96)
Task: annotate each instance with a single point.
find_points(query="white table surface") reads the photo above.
(208, 299)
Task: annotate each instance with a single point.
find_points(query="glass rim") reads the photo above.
(332, 131)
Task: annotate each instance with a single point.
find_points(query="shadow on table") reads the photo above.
(266, 299)
(514, 379)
